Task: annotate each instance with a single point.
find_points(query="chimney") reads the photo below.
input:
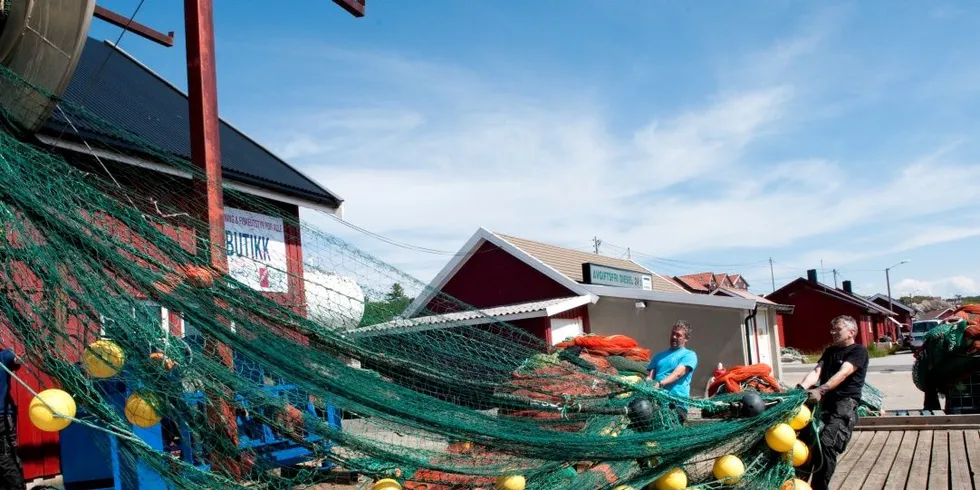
(847, 287)
(811, 275)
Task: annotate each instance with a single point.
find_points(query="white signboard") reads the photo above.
(256, 251)
(611, 276)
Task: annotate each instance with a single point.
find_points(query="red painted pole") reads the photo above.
(206, 154)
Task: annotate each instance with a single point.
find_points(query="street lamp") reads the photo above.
(888, 283)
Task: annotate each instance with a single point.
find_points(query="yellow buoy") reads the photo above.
(387, 484)
(729, 469)
(140, 411)
(510, 482)
(795, 484)
(51, 419)
(780, 438)
(800, 453)
(801, 418)
(103, 358)
(674, 479)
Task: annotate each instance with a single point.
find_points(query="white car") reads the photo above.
(919, 330)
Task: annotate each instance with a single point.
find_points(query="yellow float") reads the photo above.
(800, 453)
(387, 484)
(140, 411)
(510, 482)
(795, 484)
(781, 438)
(728, 469)
(801, 418)
(674, 479)
(103, 359)
(51, 419)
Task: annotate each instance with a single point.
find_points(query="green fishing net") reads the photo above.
(183, 371)
(944, 360)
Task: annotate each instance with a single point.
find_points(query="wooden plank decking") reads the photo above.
(939, 459)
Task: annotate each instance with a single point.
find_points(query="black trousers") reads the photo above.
(931, 401)
(11, 473)
(838, 415)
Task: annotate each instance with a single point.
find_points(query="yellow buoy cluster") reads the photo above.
(782, 438)
(104, 359)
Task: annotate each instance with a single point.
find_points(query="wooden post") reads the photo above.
(206, 154)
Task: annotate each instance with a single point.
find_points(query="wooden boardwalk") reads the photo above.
(915, 459)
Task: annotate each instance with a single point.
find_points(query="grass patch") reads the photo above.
(811, 357)
(873, 351)
(878, 351)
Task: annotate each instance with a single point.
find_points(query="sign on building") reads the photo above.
(256, 248)
(612, 276)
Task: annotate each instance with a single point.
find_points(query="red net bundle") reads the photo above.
(756, 377)
(609, 345)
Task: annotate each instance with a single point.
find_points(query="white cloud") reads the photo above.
(946, 287)
(458, 151)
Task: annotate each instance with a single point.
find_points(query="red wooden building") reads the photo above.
(131, 97)
(815, 305)
(904, 314)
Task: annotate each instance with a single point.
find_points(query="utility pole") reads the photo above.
(888, 283)
(835, 278)
(202, 98)
(595, 243)
(772, 275)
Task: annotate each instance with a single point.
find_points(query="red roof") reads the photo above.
(853, 299)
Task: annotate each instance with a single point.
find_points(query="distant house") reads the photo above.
(903, 313)
(816, 304)
(554, 293)
(706, 282)
(936, 314)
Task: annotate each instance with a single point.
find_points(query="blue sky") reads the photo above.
(700, 137)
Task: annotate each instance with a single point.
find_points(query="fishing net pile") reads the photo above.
(110, 295)
(950, 353)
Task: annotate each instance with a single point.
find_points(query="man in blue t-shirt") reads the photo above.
(11, 473)
(673, 368)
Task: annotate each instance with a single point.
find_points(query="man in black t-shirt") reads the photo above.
(839, 379)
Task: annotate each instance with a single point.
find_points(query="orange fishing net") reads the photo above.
(754, 376)
(609, 345)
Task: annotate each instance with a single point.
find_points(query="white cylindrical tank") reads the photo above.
(333, 300)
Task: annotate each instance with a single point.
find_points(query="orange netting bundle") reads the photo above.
(971, 336)
(757, 377)
(970, 313)
(608, 345)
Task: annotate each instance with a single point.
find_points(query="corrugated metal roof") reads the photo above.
(115, 88)
(473, 317)
(569, 262)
